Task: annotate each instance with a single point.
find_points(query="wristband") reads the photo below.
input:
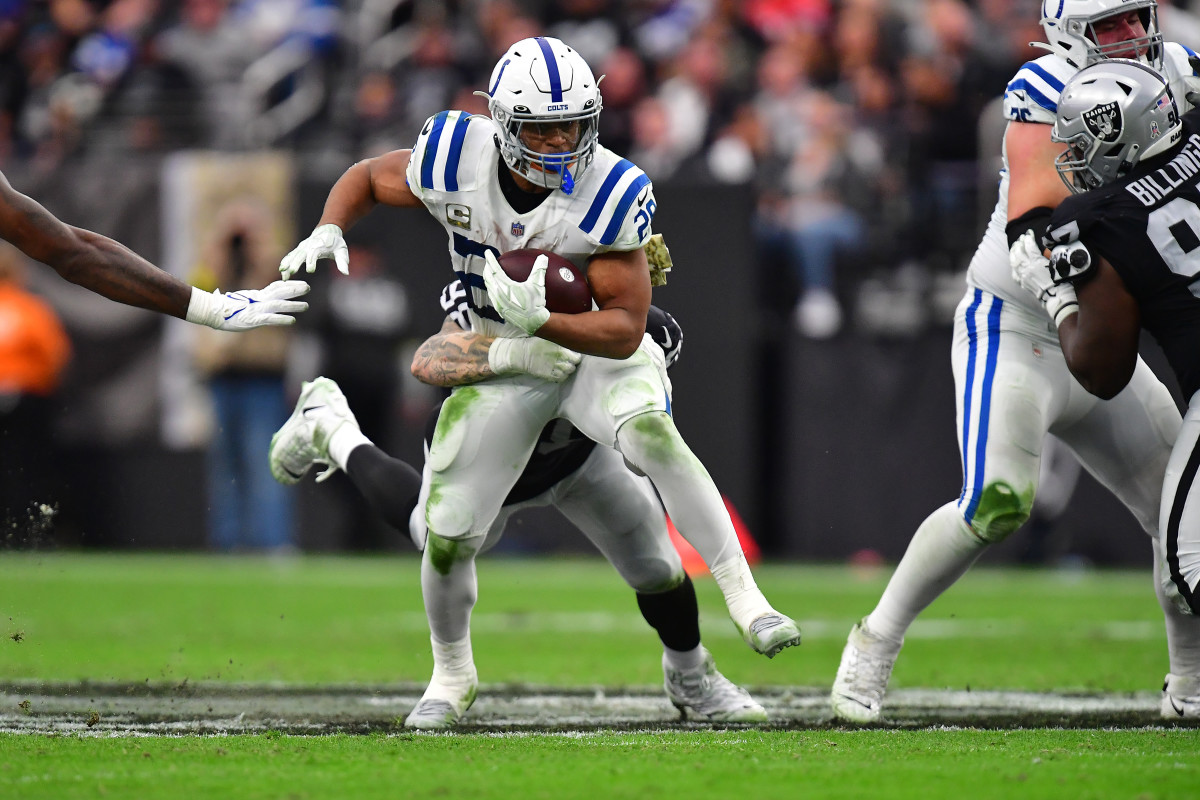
(204, 308)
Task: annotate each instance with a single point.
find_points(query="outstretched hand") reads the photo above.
(248, 308)
(324, 242)
(521, 303)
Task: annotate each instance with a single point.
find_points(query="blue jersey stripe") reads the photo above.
(469, 247)
(431, 144)
(552, 68)
(456, 148)
(985, 406)
(606, 189)
(618, 217)
(1020, 84)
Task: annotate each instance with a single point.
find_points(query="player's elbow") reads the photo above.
(1102, 380)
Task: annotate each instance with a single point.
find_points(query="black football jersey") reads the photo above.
(1147, 225)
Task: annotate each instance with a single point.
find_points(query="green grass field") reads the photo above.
(200, 621)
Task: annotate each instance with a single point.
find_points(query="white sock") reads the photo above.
(685, 660)
(941, 551)
(1183, 630)
(745, 601)
(452, 659)
(343, 442)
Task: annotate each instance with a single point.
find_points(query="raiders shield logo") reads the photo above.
(1104, 121)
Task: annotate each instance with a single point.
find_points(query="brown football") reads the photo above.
(567, 290)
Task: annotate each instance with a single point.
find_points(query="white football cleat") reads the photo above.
(1181, 697)
(304, 438)
(771, 632)
(446, 699)
(710, 694)
(863, 675)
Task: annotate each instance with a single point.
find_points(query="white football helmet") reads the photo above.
(1069, 30)
(541, 87)
(1112, 115)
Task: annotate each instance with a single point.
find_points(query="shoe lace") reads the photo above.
(707, 689)
(868, 672)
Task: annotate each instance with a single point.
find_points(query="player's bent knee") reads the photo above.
(448, 511)
(1001, 510)
(651, 438)
(654, 575)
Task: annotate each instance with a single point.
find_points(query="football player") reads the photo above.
(1123, 259)
(114, 271)
(590, 484)
(1012, 382)
(534, 175)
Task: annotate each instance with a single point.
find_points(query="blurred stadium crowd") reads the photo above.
(856, 121)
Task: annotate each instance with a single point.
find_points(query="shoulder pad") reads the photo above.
(616, 203)
(443, 158)
(1032, 95)
(1178, 67)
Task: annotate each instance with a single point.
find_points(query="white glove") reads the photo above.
(537, 357)
(520, 303)
(1031, 269)
(248, 308)
(324, 242)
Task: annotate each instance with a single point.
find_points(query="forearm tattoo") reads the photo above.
(453, 359)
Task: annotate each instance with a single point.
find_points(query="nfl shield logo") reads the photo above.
(518, 229)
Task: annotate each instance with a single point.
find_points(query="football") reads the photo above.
(567, 290)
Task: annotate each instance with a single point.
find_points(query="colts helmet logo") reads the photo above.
(1104, 121)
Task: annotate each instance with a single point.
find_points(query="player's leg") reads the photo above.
(625, 404)
(1134, 445)
(483, 438)
(621, 515)
(1005, 396)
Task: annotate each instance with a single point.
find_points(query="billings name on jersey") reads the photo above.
(1158, 184)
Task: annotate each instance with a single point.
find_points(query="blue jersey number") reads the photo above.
(644, 216)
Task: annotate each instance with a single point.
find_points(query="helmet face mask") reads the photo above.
(545, 104)
(1070, 27)
(1111, 116)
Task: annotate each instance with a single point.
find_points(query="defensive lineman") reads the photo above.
(534, 175)
(1124, 259)
(1011, 380)
(590, 484)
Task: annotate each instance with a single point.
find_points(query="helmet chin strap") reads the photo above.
(568, 182)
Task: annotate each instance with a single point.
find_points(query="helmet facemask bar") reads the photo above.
(521, 128)
(1073, 167)
(1150, 45)
(1070, 27)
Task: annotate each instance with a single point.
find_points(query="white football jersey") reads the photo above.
(1032, 96)
(453, 170)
